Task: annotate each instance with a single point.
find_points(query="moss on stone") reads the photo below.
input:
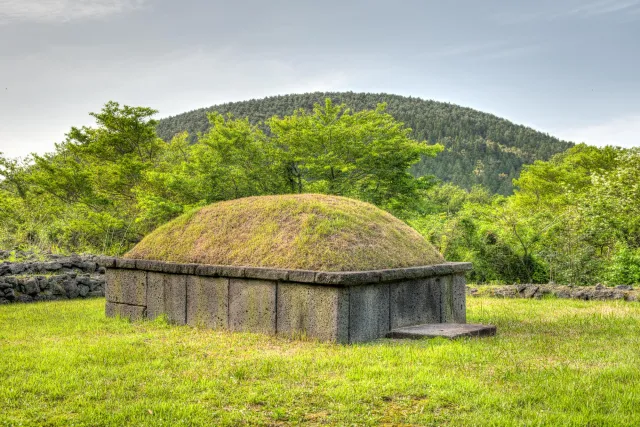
(303, 231)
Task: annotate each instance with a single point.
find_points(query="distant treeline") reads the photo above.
(480, 148)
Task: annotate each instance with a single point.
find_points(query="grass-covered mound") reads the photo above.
(305, 231)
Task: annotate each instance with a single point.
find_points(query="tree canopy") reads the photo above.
(480, 148)
(106, 186)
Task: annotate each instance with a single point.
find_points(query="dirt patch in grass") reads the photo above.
(305, 231)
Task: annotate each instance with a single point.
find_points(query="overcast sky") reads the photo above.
(566, 67)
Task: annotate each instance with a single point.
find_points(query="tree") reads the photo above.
(366, 155)
(89, 180)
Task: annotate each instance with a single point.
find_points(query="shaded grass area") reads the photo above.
(553, 362)
(292, 231)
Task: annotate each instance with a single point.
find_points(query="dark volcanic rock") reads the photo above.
(24, 298)
(31, 286)
(530, 291)
(10, 294)
(83, 290)
(71, 288)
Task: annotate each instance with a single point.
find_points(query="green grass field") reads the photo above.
(553, 362)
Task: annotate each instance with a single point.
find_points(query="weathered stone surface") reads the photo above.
(231, 271)
(208, 302)
(266, 273)
(446, 298)
(149, 265)
(31, 287)
(58, 289)
(188, 269)
(445, 330)
(167, 294)
(208, 270)
(83, 290)
(397, 274)
(125, 311)
(125, 263)
(586, 293)
(347, 278)
(171, 267)
(530, 291)
(443, 269)
(252, 305)
(24, 298)
(155, 294)
(126, 286)
(414, 302)
(71, 288)
(368, 312)
(17, 268)
(459, 298)
(51, 266)
(302, 276)
(316, 312)
(337, 306)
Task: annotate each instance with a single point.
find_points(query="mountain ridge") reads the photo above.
(480, 148)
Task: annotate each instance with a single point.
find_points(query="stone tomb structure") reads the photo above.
(341, 307)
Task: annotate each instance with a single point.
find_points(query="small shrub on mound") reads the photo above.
(303, 231)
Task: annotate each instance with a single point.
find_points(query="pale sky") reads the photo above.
(566, 67)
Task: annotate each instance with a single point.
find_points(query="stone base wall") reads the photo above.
(60, 278)
(337, 307)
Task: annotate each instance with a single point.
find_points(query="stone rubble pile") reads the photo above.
(587, 293)
(58, 277)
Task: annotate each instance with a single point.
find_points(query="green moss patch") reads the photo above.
(303, 231)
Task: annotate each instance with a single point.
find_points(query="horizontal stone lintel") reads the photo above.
(331, 278)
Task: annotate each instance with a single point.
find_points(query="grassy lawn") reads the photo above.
(553, 362)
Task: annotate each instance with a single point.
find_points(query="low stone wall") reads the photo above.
(342, 307)
(60, 278)
(598, 292)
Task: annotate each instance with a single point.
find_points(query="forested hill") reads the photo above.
(480, 148)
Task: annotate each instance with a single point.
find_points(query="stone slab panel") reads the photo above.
(315, 312)
(414, 302)
(446, 298)
(347, 278)
(126, 286)
(459, 298)
(167, 294)
(125, 311)
(266, 273)
(208, 302)
(155, 295)
(126, 263)
(368, 312)
(252, 306)
(445, 330)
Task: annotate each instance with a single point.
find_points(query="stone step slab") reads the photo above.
(444, 330)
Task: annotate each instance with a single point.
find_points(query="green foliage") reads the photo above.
(365, 154)
(107, 186)
(480, 149)
(624, 268)
(573, 219)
